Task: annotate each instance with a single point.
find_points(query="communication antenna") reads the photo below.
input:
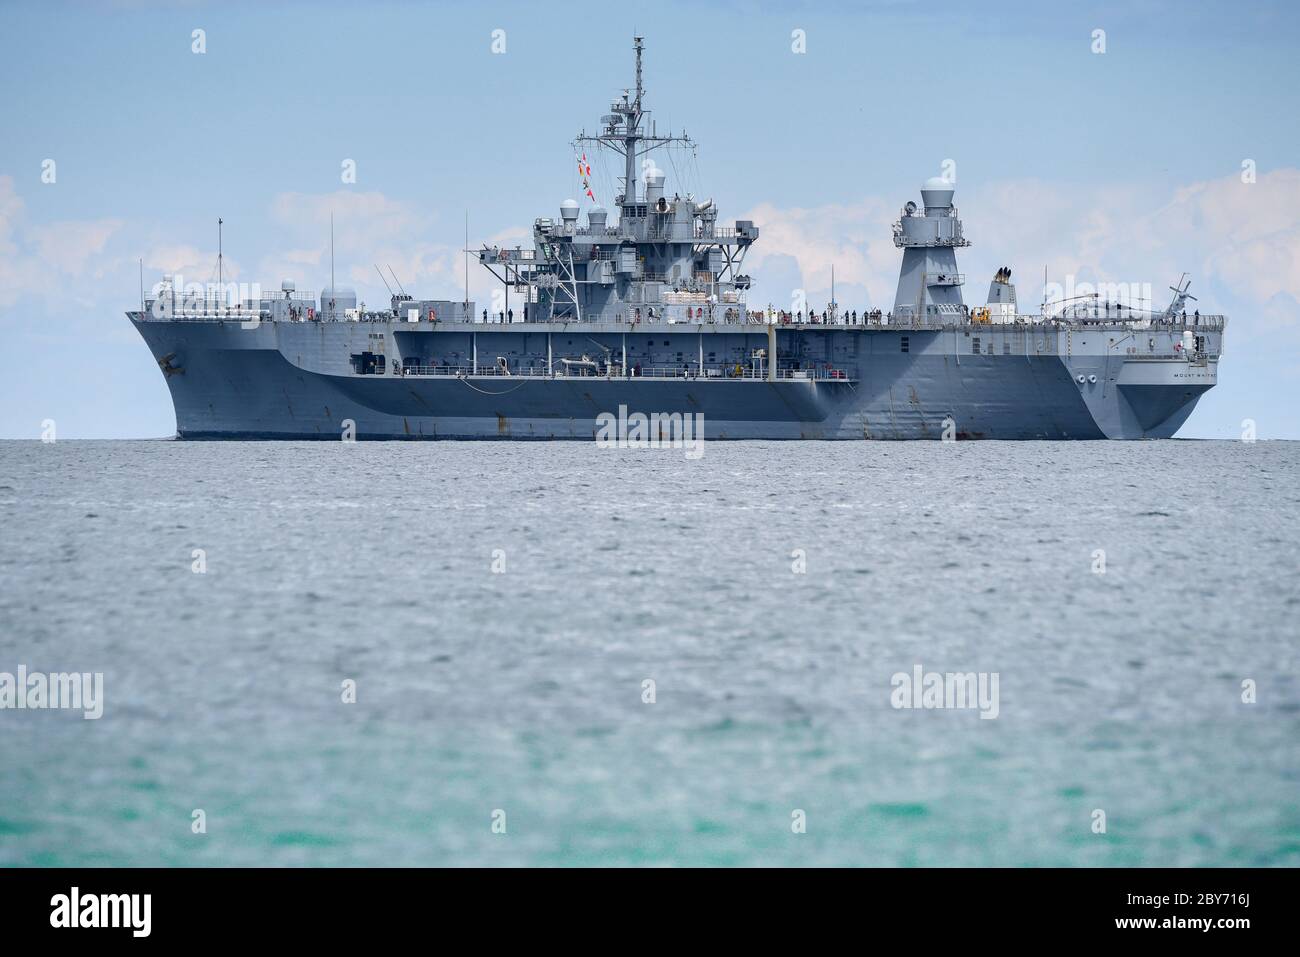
(384, 281)
(331, 265)
(623, 132)
(466, 255)
(220, 271)
(396, 280)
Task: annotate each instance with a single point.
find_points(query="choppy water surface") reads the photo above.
(523, 690)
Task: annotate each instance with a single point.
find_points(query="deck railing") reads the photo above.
(1196, 324)
(645, 372)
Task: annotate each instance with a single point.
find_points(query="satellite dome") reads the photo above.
(937, 182)
(568, 210)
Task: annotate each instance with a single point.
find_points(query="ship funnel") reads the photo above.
(654, 188)
(1001, 303)
(937, 194)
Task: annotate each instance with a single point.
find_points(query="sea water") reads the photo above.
(558, 654)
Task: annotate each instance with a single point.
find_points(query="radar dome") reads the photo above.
(568, 210)
(344, 297)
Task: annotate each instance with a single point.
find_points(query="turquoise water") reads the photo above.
(521, 690)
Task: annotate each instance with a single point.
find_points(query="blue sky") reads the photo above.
(1123, 166)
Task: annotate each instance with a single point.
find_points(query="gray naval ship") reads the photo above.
(649, 313)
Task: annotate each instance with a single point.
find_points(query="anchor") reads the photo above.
(169, 370)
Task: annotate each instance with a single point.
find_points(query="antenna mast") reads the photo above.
(633, 124)
(221, 277)
(332, 265)
(622, 131)
(637, 43)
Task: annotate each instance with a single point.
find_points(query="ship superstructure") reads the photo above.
(648, 313)
(663, 258)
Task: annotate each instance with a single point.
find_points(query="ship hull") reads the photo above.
(299, 381)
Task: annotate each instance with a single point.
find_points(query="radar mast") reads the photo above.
(623, 132)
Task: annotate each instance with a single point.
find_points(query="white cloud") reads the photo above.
(11, 207)
(50, 259)
(856, 239)
(190, 263)
(69, 246)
